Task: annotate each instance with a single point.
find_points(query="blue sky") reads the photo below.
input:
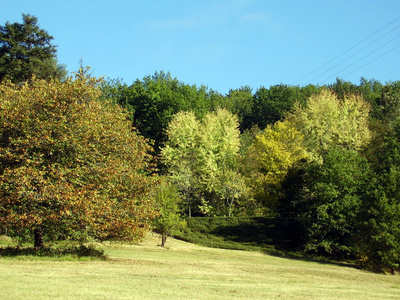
(223, 44)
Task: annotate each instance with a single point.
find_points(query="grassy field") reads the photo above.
(188, 271)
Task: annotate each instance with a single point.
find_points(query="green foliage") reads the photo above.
(240, 102)
(199, 156)
(153, 101)
(26, 50)
(379, 236)
(272, 105)
(78, 251)
(167, 200)
(238, 233)
(70, 165)
(181, 153)
(325, 200)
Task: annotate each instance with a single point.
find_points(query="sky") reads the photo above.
(223, 44)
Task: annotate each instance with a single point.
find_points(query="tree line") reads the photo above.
(82, 157)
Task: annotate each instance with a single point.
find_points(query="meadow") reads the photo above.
(187, 271)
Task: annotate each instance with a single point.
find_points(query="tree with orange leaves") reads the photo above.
(71, 166)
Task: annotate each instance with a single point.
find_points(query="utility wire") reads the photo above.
(372, 61)
(354, 54)
(363, 57)
(351, 48)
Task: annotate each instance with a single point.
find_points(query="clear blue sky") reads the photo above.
(223, 44)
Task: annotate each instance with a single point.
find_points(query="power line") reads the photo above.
(363, 58)
(372, 60)
(351, 48)
(354, 54)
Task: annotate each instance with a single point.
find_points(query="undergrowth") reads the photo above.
(251, 234)
(57, 251)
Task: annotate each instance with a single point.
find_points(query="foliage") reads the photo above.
(274, 151)
(325, 200)
(153, 101)
(329, 121)
(379, 235)
(76, 250)
(167, 199)
(240, 102)
(180, 154)
(272, 105)
(200, 154)
(26, 50)
(70, 165)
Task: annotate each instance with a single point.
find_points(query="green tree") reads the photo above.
(379, 236)
(272, 105)
(70, 165)
(232, 189)
(26, 50)
(167, 200)
(240, 103)
(324, 201)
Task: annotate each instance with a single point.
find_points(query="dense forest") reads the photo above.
(83, 157)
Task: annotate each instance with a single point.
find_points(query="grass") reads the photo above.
(188, 271)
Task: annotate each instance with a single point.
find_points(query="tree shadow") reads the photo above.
(273, 237)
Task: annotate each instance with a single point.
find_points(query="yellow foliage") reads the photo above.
(273, 152)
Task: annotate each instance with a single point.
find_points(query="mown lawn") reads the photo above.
(188, 271)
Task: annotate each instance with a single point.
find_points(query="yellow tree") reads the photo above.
(274, 151)
(70, 165)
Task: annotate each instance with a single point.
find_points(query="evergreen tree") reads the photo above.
(26, 50)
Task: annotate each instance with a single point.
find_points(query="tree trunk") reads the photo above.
(163, 239)
(38, 238)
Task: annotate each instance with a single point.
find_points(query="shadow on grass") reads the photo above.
(267, 235)
(76, 251)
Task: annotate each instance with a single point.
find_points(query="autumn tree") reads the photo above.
(70, 165)
(26, 50)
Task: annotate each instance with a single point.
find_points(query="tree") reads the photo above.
(167, 200)
(232, 189)
(180, 154)
(198, 154)
(328, 121)
(378, 246)
(26, 50)
(70, 166)
(154, 100)
(273, 152)
(272, 105)
(324, 201)
(240, 103)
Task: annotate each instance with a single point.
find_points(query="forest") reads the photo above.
(83, 157)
